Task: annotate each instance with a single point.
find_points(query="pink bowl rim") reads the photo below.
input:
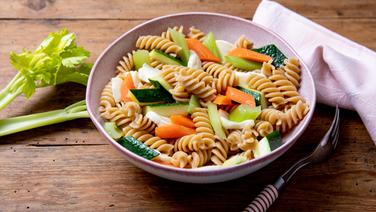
(201, 172)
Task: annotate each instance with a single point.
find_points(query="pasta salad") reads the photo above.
(187, 100)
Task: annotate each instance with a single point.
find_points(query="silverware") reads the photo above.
(326, 146)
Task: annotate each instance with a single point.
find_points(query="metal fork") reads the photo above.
(326, 146)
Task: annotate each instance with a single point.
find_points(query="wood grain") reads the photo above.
(70, 167)
(141, 9)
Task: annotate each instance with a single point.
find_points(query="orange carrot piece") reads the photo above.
(249, 55)
(182, 120)
(126, 86)
(240, 97)
(173, 131)
(201, 50)
(222, 100)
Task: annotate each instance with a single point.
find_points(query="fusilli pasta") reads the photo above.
(149, 140)
(294, 115)
(180, 94)
(249, 139)
(199, 158)
(167, 33)
(219, 152)
(224, 76)
(243, 42)
(197, 82)
(126, 63)
(203, 126)
(292, 71)
(265, 85)
(106, 100)
(196, 33)
(156, 42)
(180, 159)
(140, 122)
(234, 139)
(263, 127)
(267, 68)
(286, 87)
(189, 143)
(183, 133)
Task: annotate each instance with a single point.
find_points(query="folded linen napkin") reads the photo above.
(344, 71)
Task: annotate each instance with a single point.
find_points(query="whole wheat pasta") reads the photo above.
(150, 42)
(243, 42)
(146, 100)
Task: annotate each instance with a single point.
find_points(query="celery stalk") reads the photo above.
(27, 122)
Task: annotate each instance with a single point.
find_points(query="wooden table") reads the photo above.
(71, 167)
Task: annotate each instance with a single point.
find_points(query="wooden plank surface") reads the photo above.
(141, 9)
(70, 167)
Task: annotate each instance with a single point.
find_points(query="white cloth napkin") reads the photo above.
(344, 71)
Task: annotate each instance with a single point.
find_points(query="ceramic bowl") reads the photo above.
(224, 27)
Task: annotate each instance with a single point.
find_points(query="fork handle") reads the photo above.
(266, 197)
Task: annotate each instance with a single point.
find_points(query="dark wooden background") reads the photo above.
(70, 167)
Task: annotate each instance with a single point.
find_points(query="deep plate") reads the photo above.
(224, 27)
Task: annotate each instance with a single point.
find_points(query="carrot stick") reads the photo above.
(201, 50)
(240, 97)
(126, 86)
(182, 120)
(249, 55)
(173, 131)
(222, 100)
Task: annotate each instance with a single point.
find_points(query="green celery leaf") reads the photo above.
(57, 42)
(74, 57)
(77, 75)
(56, 60)
(28, 88)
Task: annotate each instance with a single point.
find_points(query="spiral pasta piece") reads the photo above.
(196, 33)
(203, 126)
(294, 115)
(180, 94)
(189, 143)
(234, 139)
(114, 114)
(243, 42)
(156, 63)
(199, 158)
(180, 159)
(199, 74)
(286, 87)
(247, 154)
(169, 73)
(292, 71)
(150, 42)
(263, 127)
(219, 152)
(149, 140)
(265, 85)
(267, 68)
(129, 109)
(197, 82)
(167, 33)
(224, 77)
(126, 63)
(233, 68)
(249, 138)
(273, 116)
(215, 69)
(140, 122)
(106, 100)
